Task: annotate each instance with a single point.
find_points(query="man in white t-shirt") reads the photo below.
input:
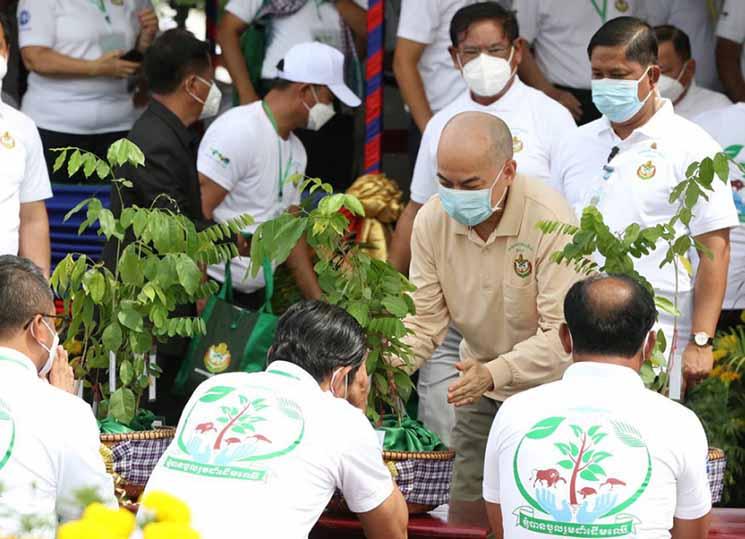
(260, 455)
(677, 81)
(49, 440)
(628, 162)
(727, 126)
(558, 33)
(24, 180)
(596, 454)
(729, 51)
(249, 153)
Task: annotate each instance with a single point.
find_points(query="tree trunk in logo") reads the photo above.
(227, 427)
(575, 472)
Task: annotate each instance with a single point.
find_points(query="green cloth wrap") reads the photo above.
(408, 435)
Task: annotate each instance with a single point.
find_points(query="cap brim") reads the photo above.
(345, 95)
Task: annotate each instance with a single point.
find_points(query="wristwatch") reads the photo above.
(702, 339)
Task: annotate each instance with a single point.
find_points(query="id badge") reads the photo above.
(113, 42)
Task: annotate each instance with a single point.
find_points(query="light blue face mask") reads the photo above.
(470, 207)
(618, 99)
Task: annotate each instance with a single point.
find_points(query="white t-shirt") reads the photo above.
(242, 153)
(49, 448)
(694, 18)
(260, 455)
(595, 455)
(78, 28)
(727, 126)
(560, 30)
(428, 22)
(315, 21)
(23, 173)
(699, 100)
(537, 123)
(732, 25)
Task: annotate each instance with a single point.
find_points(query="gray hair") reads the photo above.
(24, 293)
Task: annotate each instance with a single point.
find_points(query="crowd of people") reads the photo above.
(522, 112)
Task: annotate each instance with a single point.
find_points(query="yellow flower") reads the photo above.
(167, 508)
(169, 530)
(724, 374)
(719, 354)
(118, 523)
(79, 529)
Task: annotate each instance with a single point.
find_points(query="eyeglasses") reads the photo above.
(62, 317)
(499, 51)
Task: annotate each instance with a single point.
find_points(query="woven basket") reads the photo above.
(715, 466)
(110, 440)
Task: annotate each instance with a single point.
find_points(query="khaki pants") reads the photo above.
(472, 425)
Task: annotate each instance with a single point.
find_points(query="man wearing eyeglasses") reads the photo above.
(48, 437)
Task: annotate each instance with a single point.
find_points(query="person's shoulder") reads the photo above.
(430, 213)
(236, 121)
(545, 201)
(528, 400)
(443, 116)
(689, 136)
(715, 99)
(63, 408)
(22, 125)
(544, 106)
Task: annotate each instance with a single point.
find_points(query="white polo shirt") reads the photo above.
(315, 21)
(49, 445)
(23, 173)
(428, 22)
(79, 29)
(732, 25)
(727, 126)
(699, 100)
(242, 153)
(264, 453)
(560, 30)
(537, 123)
(695, 19)
(595, 455)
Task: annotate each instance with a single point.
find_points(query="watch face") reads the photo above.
(701, 339)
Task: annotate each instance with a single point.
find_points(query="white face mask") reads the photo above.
(671, 88)
(346, 384)
(212, 103)
(52, 352)
(487, 75)
(3, 67)
(319, 114)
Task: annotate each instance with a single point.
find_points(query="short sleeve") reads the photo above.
(732, 21)
(36, 26)
(222, 155)
(424, 182)
(35, 185)
(365, 481)
(245, 10)
(692, 486)
(527, 18)
(419, 20)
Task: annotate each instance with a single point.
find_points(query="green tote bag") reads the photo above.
(237, 339)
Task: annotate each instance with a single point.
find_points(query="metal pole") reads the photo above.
(374, 87)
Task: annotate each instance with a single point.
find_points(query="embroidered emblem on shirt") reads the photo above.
(8, 141)
(579, 476)
(517, 144)
(117, 2)
(622, 6)
(219, 157)
(24, 17)
(217, 358)
(646, 171)
(523, 267)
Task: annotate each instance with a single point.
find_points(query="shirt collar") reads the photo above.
(9, 357)
(509, 224)
(512, 99)
(607, 373)
(654, 128)
(184, 134)
(291, 371)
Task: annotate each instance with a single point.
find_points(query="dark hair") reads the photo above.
(678, 37)
(609, 325)
(7, 28)
(319, 337)
(172, 57)
(635, 34)
(483, 11)
(24, 293)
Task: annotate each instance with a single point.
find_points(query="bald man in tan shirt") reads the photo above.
(480, 262)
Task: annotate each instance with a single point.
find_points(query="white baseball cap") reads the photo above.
(317, 63)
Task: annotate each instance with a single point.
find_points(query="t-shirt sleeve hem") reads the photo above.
(721, 223)
(729, 33)
(216, 176)
(38, 197)
(372, 501)
(693, 512)
(412, 35)
(491, 495)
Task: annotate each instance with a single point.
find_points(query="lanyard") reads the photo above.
(100, 4)
(281, 177)
(602, 13)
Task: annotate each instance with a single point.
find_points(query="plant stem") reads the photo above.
(227, 427)
(575, 472)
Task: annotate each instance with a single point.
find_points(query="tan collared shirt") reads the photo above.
(504, 294)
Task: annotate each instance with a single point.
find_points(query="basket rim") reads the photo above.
(160, 433)
(419, 455)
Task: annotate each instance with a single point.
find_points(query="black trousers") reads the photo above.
(589, 110)
(331, 151)
(97, 144)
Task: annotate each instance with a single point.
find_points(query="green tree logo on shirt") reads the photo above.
(575, 495)
(7, 434)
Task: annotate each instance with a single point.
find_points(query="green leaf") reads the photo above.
(123, 151)
(107, 223)
(89, 164)
(131, 267)
(564, 448)
(359, 312)
(577, 430)
(188, 273)
(566, 464)
(59, 161)
(544, 428)
(587, 456)
(73, 165)
(131, 319)
(397, 306)
(600, 455)
(647, 373)
(573, 449)
(354, 205)
(665, 305)
(587, 475)
(215, 393)
(593, 430)
(597, 470)
(95, 284)
(112, 337)
(102, 169)
(139, 223)
(122, 405)
(706, 171)
(143, 381)
(628, 434)
(598, 437)
(126, 372)
(721, 166)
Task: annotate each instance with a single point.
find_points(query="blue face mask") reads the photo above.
(617, 99)
(470, 207)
